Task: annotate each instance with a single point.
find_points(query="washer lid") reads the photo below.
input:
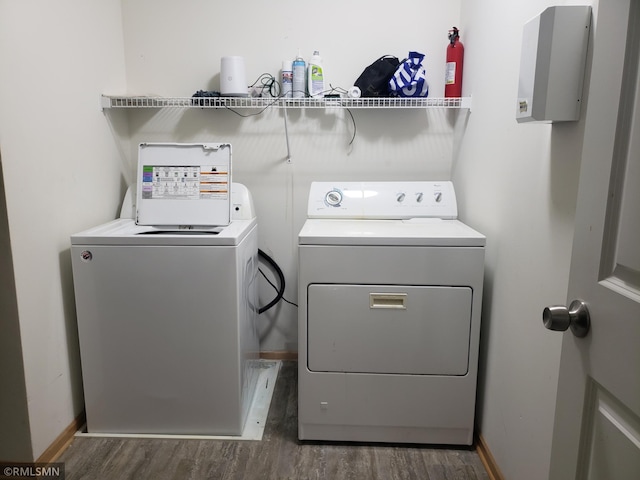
(411, 232)
(184, 184)
(126, 232)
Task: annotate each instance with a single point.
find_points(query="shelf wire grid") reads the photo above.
(265, 102)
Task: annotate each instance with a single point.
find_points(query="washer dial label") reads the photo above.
(194, 182)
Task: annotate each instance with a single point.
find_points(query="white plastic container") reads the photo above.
(233, 77)
(315, 76)
(299, 77)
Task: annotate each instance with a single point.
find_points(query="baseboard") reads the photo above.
(487, 459)
(279, 355)
(61, 443)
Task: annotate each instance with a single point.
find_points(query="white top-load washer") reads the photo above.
(166, 299)
(390, 291)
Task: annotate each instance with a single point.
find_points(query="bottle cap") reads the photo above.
(354, 92)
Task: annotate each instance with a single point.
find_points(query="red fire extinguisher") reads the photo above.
(453, 73)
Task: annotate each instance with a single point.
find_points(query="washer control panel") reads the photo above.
(382, 200)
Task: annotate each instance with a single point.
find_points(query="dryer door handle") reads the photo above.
(388, 300)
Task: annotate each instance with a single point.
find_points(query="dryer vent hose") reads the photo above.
(278, 271)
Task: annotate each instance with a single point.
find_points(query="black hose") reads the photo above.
(278, 271)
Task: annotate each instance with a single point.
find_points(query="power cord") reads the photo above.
(341, 91)
(280, 291)
(269, 84)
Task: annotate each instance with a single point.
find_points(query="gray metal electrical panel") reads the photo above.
(552, 65)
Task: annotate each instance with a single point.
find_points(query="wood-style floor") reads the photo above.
(279, 456)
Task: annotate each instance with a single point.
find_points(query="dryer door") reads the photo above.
(389, 329)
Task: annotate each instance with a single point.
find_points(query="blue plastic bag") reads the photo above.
(410, 79)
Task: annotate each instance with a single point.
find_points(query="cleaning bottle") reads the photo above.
(287, 78)
(299, 77)
(315, 76)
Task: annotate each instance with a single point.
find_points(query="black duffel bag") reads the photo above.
(374, 80)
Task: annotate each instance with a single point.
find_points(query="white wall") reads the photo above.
(62, 173)
(518, 185)
(15, 438)
(65, 164)
(175, 50)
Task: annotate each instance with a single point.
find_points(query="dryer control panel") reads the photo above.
(382, 200)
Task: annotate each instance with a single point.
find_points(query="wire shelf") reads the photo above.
(266, 102)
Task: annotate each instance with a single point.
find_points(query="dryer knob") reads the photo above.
(400, 197)
(333, 198)
(419, 197)
(438, 197)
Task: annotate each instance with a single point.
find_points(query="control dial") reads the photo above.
(333, 198)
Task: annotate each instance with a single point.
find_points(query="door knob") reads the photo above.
(559, 318)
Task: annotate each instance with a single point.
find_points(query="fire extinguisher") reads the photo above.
(453, 73)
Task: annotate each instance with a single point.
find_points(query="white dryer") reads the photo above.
(390, 292)
(166, 313)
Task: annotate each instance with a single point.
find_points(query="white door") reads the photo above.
(597, 425)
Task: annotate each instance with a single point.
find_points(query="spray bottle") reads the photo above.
(299, 77)
(287, 78)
